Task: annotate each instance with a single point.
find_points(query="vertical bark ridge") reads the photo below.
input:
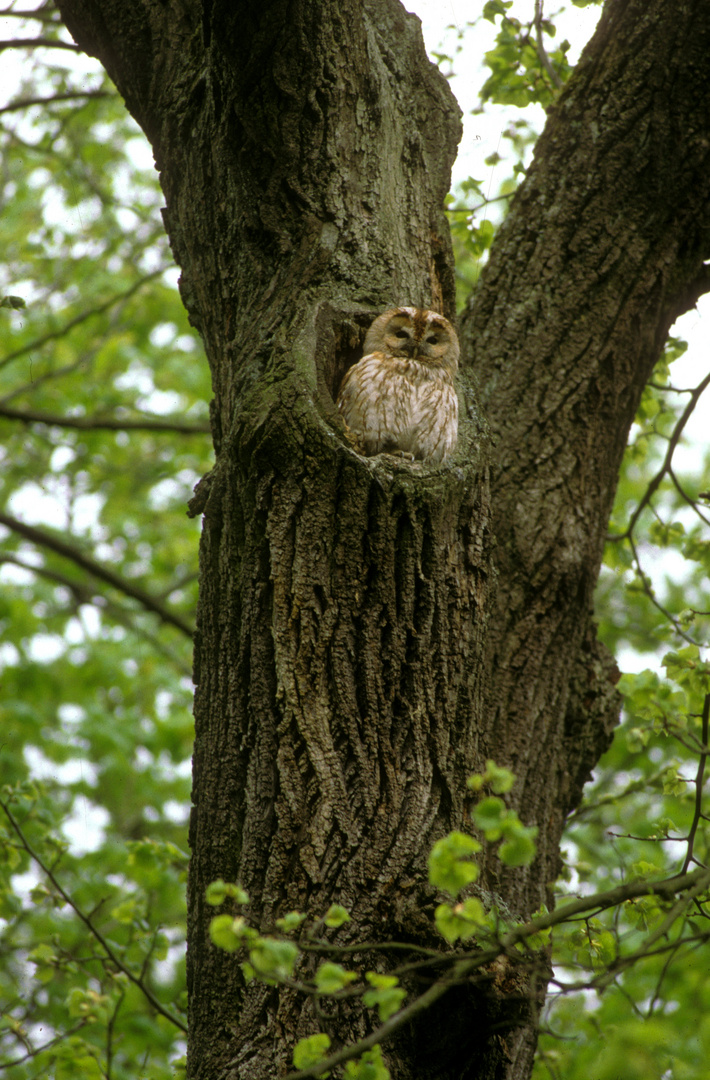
(604, 246)
(367, 729)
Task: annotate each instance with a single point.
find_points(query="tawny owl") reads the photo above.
(401, 395)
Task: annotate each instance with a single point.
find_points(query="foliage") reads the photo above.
(103, 392)
(97, 366)
(644, 815)
(522, 72)
(604, 937)
(285, 956)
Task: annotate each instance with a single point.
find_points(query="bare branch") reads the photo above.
(665, 467)
(697, 815)
(67, 551)
(108, 423)
(35, 43)
(25, 103)
(544, 58)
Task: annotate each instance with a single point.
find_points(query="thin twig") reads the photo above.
(38, 15)
(657, 603)
(84, 595)
(697, 815)
(53, 335)
(111, 1024)
(688, 498)
(81, 593)
(479, 206)
(544, 58)
(596, 982)
(95, 933)
(33, 1051)
(672, 443)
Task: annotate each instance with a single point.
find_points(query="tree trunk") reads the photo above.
(371, 631)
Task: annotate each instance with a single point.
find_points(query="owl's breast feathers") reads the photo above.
(396, 403)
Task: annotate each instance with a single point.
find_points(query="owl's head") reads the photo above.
(417, 334)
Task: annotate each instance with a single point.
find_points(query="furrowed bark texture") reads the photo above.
(371, 631)
(604, 247)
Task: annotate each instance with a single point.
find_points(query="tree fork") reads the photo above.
(357, 656)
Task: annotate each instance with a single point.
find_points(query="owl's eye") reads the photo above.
(402, 334)
(432, 340)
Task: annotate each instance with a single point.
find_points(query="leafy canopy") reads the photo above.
(103, 412)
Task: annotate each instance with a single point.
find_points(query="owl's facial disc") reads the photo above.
(401, 339)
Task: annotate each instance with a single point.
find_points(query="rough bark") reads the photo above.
(370, 631)
(603, 249)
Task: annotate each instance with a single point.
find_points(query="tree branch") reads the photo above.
(37, 15)
(697, 815)
(33, 1051)
(84, 595)
(25, 103)
(540, 48)
(648, 590)
(34, 43)
(53, 335)
(672, 444)
(693, 884)
(60, 547)
(99, 423)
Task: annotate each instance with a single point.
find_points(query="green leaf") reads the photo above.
(290, 922)
(126, 912)
(495, 7)
(218, 891)
(386, 994)
(644, 869)
(229, 933)
(335, 916)
(489, 816)
(332, 977)
(518, 847)
(460, 921)
(369, 1066)
(499, 779)
(310, 1051)
(450, 867)
(274, 959)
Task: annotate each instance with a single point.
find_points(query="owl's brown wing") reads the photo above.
(434, 421)
(375, 401)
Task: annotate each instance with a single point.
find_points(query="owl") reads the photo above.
(400, 397)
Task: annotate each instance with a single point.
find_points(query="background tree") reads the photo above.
(363, 647)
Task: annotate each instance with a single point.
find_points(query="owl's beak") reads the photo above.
(411, 348)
